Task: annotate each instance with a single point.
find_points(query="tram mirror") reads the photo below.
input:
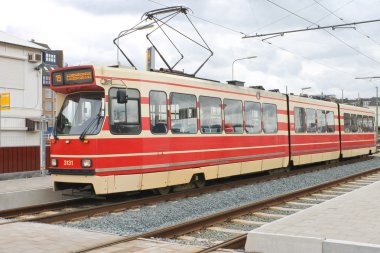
(122, 96)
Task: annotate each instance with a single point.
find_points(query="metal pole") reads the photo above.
(342, 96)
(233, 70)
(377, 112)
(245, 58)
(1, 108)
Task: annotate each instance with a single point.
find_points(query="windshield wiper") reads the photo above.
(55, 136)
(97, 118)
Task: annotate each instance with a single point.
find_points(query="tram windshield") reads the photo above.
(81, 112)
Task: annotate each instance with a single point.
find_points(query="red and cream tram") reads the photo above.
(122, 130)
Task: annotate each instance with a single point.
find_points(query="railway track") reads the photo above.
(216, 222)
(84, 208)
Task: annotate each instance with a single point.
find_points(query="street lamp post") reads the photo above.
(304, 88)
(245, 58)
(377, 102)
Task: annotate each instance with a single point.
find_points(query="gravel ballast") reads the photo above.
(170, 213)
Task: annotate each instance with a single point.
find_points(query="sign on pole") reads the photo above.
(5, 99)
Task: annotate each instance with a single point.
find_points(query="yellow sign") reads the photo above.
(5, 99)
(78, 76)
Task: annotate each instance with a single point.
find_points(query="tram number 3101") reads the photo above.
(68, 162)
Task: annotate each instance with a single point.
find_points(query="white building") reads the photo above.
(21, 77)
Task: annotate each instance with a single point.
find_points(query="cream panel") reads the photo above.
(210, 172)
(305, 159)
(273, 163)
(316, 158)
(226, 170)
(145, 110)
(296, 160)
(100, 184)
(154, 180)
(181, 176)
(127, 183)
(249, 167)
(285, 162)
(282, 118)
(346, 153)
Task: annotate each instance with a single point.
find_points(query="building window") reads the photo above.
(210, 114)
(270, 118)
(252, 117)
(158, 112)
(299, 120)
(48, 106)
(46, 80)
(183, 113)
(125, 117)
(50, 57)
(48, 93)
(233, 116)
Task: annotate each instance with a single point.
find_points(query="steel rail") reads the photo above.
(123, 205)
(209, 220)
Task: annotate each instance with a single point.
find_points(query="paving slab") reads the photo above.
(347, 223)
(35, 237)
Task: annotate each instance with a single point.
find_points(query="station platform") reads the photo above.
(349, 223)
(22, 192)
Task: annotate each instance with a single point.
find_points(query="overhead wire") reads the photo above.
(205, 20)
(340, 18)
(337, 38)
(284, 17)
(267, 42)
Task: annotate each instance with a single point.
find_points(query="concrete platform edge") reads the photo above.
(11, 200)
(272, 243)
(338, 246)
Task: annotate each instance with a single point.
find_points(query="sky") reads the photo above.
(327, 60)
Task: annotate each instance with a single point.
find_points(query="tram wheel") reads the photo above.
(163, 190)
(199, 181)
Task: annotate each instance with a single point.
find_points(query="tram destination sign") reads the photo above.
(72, 76)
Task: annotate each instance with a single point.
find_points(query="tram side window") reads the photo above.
(330, 121)
(158, 112)
(321, 121)
(311, 124)
(183, 113)
(359, 120)
(252, 117)
(365, 124)
(370, 124)
(270, 118)
(210, 114)
(354, 123)
(347, 123)
(125, 117)
(233, 116)
(299, 120)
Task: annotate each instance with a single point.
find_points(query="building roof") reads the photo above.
(46, 46)
(10, 39)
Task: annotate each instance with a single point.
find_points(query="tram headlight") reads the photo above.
(86, 163)
(54, 162)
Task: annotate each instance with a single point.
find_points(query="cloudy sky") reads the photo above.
(325, 60)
